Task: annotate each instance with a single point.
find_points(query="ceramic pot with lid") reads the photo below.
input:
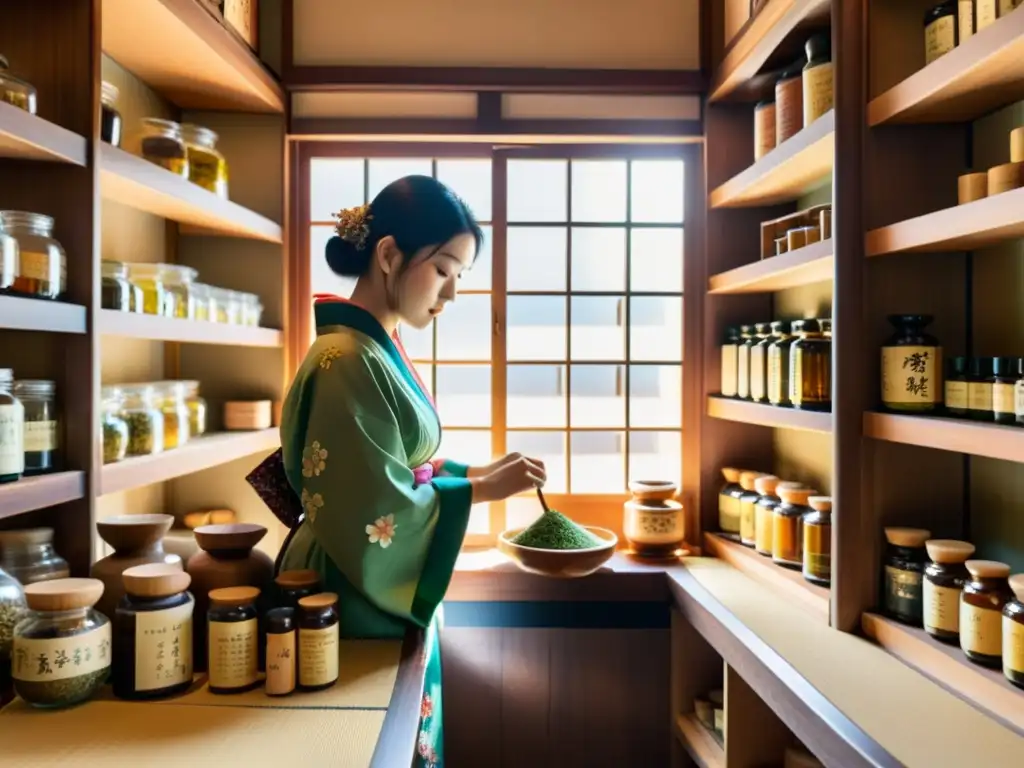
(137, 540)
(653, 521)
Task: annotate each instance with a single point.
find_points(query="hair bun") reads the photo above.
(344, 259)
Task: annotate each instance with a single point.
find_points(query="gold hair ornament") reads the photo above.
(354, 225)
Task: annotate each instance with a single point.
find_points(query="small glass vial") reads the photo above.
(940, 30)
(162, 144)
(28, 555)
(904, 571)
(979, 389)
(12, 430)
(16, 91)
(981, 612)
(281, 651)
(810, 367)
(956, 387)
(153, 634)
(196, 408)
(743, 362)
(110, 117)
(817, 77)
(233, 639)
(817, 553)
(778, 363)
(787, 525)
(759, 363)
(764, 510)
(911, 367)
(748, 502)
(730, 360)
(42, 426)
(292, 586)
(170, 398)
(944, 579)
(145, 420)
(42, 263)
(1004, 379)
(729, 503)
(318, 641)
(206, 165)
(1013, 633)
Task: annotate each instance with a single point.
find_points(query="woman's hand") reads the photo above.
(494, 466)
(514, 474)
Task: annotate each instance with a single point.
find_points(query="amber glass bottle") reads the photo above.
(1013, 633)
(911, 366)
(904, 571)
(748, 503)
(818, 541)
(810, 367)
(729, 502)
(981, 612)
(944, 579)
(765, 485)
(787, 526)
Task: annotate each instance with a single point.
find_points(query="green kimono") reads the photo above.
(381, 525)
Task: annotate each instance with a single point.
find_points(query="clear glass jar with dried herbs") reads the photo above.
(178, 281)
(12, 608)
(42, 424)
(207, 167)
(42, 263)
(113, 425)
(163, 145)
(28, 555)
(115, 288)
(170, 399)
(150, 280)
(145, 421)
(16, 91)
(197, 408)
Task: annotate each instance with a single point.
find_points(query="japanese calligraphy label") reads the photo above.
(59, 658)
(280, 663)
(318, 656)
(232, 648)
(163, 647)
(941, 607)
(911, 375)
(981, 630)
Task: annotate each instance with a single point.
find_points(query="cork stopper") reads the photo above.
(1017, 585)
(318, 602)
(63, 594)
(766, 485)
(948, 550)
(792, 495)
(155, 580)
(820, 503)
(306, 577)
(907, 537)
(987, 569)
(731, 474)
(747, 480)
(234, 595)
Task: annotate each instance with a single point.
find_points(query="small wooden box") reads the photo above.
(244, 17)
(771, 230)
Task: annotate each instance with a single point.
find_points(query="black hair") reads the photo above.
(418, 211)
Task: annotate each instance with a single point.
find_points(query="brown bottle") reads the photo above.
(787, 526)
(763, 511)
(818, 541)
(981, 611)
(729, 503)
(748, 503)
(944, 579)
(1013, 633)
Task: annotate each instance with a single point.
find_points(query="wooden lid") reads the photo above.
(731, 474)
(63, 594)
(948, 550)
(747, 480)
(155, 580)
(766, 485)
(907, 537)
(306, 577)
(318, 602)
(23, 536)
(1017, 585)
(234, 595)
(791, 495)
(820, 503)
(987, 569)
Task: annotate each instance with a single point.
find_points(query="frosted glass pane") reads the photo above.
(522, 511)
(536, 258)
(657, 191)
(334, 183)
(470, 180)
(537, 190)
(599, 190)
(480, 520)
(478, 277)
(418, 343)
(598, 462)
(549, 447)
(464, 395)
(384, 170)
(464, 330)
(655, 395)
(598, 259)
(535, 396)
(656, 260)
(655, 328)
(321, 278)
(655, 456)
(597, 396)
(535, 328)
(597, 328)
(466, 446)
(425, 372)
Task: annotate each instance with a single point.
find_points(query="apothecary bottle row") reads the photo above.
(149, 418)
(29, 427)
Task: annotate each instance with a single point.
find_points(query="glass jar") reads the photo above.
(42, 263)
(162, 144)
(944, 579)
(1013, 633)
(787, 525)
(292, 586)
(985, 594)
(748, 502)
(281, 651)
(1004, 378)
(810, 367)
(202, 297)
(318, 641)
(42, 425)
(904, 572)
(144, 418)
(12, 430)
(729, 503)
(225, 306)
(115, 289)
(979, 389)
(758, 363)
(149, 278)
(177, 281)
(154, 633)
(62, 648)
(113, 424)
(730, 360)
(15, 91)
(169, 397)
(206, 165)
(817, 543)
(777, 378)
(767, 486)
(110, 118)
(8, 262)
(956, 387)
(28, 555)
(817, 77)
(252, 310)
(12, 607)
(196, 408)
(911, 366)
(233, 639)
(747, 342)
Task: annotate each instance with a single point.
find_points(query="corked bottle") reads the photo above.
(1013, 633)
(789, 102)
(818, 541)
(817, 77)
(730, 361)
(318, 641)
(233, 645)
(941, 31)
(764, 128)
(282, 651)
(904, 571)
(944, 579)
(729, 502)
(748, 502)
(981, 612)
(764, 510)
(787, 526)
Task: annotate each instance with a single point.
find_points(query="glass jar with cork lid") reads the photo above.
(787, 525)
(233, 640)
(944, 579)
(294, 585)
(904, 572)
(764, 510)
(817, 530)
(985, 595)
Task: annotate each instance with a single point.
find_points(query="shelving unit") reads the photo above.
(699, 742)
(156, 328)
(764, 415)
(27, 137)
(804, 266)
(24, 314)
(32, 493)
(996, 441)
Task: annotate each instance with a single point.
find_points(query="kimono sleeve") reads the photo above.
(394, 541)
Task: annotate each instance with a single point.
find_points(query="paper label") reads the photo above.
(280, 663)
(12, 450)
(986, 13)
(747, 520)
(1018, 399)
(941, 607)
(965, 14)
(61, 657)
(956, 395)
(979, 396)
(730, 355)
(981, 630)
(1013, 645)
(233, 653)
(743, 372)
(817, 92)
(789, 111)
(939, 38)
(318, 656)
(40, 436)
(757, 373)
(163, 647)
(728, 513)
(776, 377)
(903, 591)
(763, 528)
(1002, 398)
(911, 374)
(33, 265)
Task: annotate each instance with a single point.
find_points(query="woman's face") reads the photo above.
(429, 282)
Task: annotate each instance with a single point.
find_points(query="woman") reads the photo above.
(381, 522)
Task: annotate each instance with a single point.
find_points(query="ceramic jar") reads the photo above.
(653, 521)
(226, 559)
(137, 540)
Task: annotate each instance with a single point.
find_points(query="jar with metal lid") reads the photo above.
(748, 503)
(162, 144)
(281, 651)
(252, 310)
(28, 555)
(16, 91)
(817, 543)
(747, 342)
(62, 648)
(1013, 633)
(169, 397)
(42, 263)
(42, 424)
(730, 360)
(150, 280)
(115, 289)
(789, 102)
(294, 585)
(196, 408)
(979, 389)
(787, 525)
(12, 430)
(233, 639)
(944, 579)
(144, 418)
(777, 378)
(904, 574)
(985, 595)
(202, 295)
(177, 281)
(810, 367)
(956, 387)
(758, 363)
(912, 366)
(767, 486)
(1004, 378)
(318, 641)
(110, 117)
(729, 503)
(206, 165)
(113, 425)
(817, 77)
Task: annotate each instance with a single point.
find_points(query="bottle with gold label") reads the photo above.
(787, 526)
(1013, 633)
(944, 579)
(1004, 378)
(747, 342)
(233, 639)
(764, 511)
(729, 503)
(965, 20)
(810, 367)
(956, 387)
(730, 359)
(985, 13)
(911, 366)
(817, 77)
(940, 30)
(748, 503)
(981, 612)
(979, 389)
(1018, 393)
(318, 640)
(777, 378)
(817, 553)
(758, 363)
(904, 571)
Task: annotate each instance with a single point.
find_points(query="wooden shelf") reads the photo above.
(179, 49)
(966, 227)
(758, 42)
(31, 493)
(768, 415)
(792, 169)
(984, 73)
(804, 266)
(142, 185)
(787, 583)
(135, 326)
(959, 435)
(23, 314)
(699, 742)
(28, 137)
(199, 454)
(986, 689)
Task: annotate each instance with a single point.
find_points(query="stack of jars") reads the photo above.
(189, 151)
(144, 419)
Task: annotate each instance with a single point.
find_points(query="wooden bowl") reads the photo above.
(559, 563)
(219, 538)
(126, 532)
